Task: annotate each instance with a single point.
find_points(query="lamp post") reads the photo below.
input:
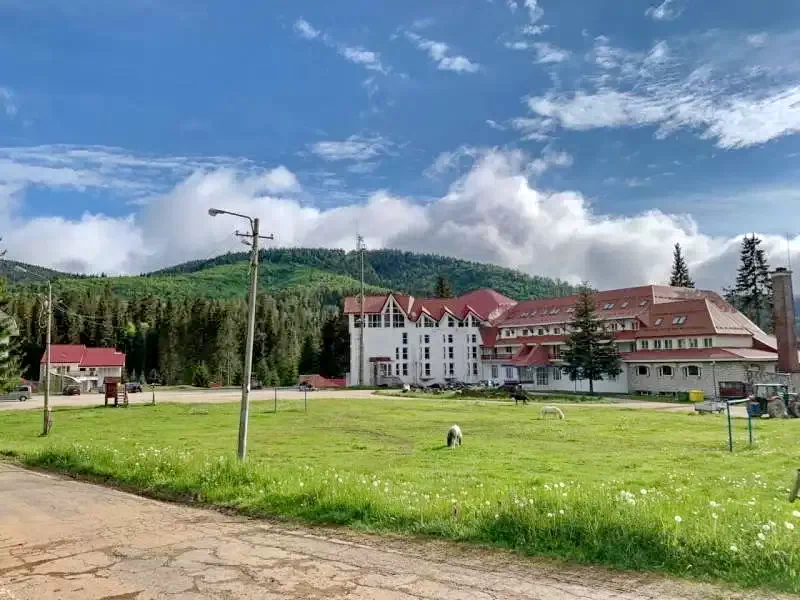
(254, 236)
(47, 416)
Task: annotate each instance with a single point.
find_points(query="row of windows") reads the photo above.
(564, 329)
(400, 368)
(669, 371)
(397, 320)
(680, 343)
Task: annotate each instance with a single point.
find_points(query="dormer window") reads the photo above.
(658, 321)
(643, 303)
(624, 304)
(608, 306)
(679, 320)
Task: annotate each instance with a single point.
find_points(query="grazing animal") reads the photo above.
(553, 411)
(454, 437)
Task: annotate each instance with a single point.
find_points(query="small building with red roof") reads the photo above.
(82, 365)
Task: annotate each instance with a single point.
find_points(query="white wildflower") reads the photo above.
(734, 548)
(550, 515)
(713, 504)
(759, 545)
(643, 492)
(714, 516)
(765, 527)
(796, 514)
(678, 519)
(789, 526)
(561, 511)
(761, 536)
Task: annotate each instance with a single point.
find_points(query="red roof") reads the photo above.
(485, 303)
(700, 354)
(83, 356)
(321, 382)
(531, 356)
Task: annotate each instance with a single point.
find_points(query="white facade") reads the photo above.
(418, 353)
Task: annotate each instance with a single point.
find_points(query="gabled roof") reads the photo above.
(531, 356)
(485, 303)
(83, 356)
(699, 354)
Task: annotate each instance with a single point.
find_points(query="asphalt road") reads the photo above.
(65, 540)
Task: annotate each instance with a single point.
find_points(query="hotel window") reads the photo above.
(450, 352)
(525, 332)
(474, 353)
(398, 320)
(451, 322)
(643, 303)
(666, 371)
(635, 325)
(397, 353)
(452, 369)
(509, 349)
(387, 318)
(541, 376)
(668, 344)
(540, 332)
(426, 353)
(644, 344)
(405, 352)
(494, 371)
(556, 374)
(614, 326)
(427, 369)
(428, 322)
(474, 339)
(624, 304)
(659, 321)
(557, 351)
(657, 344)
(397, 368)
(608, 306)
(691, 371)
(374, 321)
(426, 338)
(405, 339)
(708, 343)
(510, 374)
(450, 339)
(557, 330)
(694, 343)
(474, 368)
(680, 320)
(643, 371)
(357, 322)
(681, 343)
(405, 368)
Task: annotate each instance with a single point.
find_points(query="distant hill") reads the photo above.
(19, 272)
(383, 269)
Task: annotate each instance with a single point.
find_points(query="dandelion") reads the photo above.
(789, 526)
(550, 515)
(496, 516)
(796, 514)
(734, 548)
(765, 527)
(715, 516)
(713, 504)
(759, 545)
(643, 492)
(375, 484)
(302, 484)
(488, 503)
(761, 536)
(561, 511)
(678, 519)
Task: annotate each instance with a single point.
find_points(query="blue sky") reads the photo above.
(422, 124)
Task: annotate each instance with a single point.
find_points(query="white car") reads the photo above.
(20, 393)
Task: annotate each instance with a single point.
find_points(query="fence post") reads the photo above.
(730, 429)
(276, 400)
(305, 399)
(750, 425)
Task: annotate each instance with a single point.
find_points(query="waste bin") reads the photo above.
(697, 395)
(683, 397)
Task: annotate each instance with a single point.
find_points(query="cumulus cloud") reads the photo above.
(705, 83)
(493, 212)
(305, 30)
(439, 52)
(548, 53)
(668, 10)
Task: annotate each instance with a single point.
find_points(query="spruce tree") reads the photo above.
(9, 359)
(309, 358)
(590, 353)
(752, 293)
(680, 270)
(442, 289)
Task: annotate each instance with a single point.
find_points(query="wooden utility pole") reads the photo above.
(47, 416)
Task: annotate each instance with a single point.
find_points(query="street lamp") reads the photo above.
(47, 416)
(251, 321)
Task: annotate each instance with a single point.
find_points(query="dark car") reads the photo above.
(72, 390)
(134, 388)
(305, 387)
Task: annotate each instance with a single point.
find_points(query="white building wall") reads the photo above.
(388, 342)
(708, 381)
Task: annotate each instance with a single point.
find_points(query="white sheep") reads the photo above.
(454, 437)
(551, 410)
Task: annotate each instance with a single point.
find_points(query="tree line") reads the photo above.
(189, 340)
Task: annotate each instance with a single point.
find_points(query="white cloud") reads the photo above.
(439, 53)
(507, 220)
(737, 97)
(8, 102)
(548, 53)
(535, 12)
(757, 39)
(512, 5)
(423, 23)
(305, 29)
(355, 54)
(548, 160)
(355, 148)
(666, 11)
(537, 129)
(495, 125)
(452, 161)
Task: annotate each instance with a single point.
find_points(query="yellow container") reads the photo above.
(697, 395)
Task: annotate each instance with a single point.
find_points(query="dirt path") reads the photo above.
(65, 540)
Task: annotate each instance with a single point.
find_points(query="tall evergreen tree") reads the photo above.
(309, 357)
(680, 270)
(442, 289)
(334, 355)
(590, 353)
(9, 346)
(752, 293)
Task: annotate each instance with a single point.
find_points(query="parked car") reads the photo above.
(305, 387)
(390, 381)
(20, 393)
(72, 390)
(134, 388)
(435, 387)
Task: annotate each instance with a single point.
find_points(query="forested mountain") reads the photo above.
(186, 324)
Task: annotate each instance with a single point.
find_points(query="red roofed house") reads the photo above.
(671, 340)
(76, 363)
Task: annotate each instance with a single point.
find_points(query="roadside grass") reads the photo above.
(483, 396)
(632, 489)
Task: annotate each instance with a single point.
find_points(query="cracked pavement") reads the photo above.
(68, 540)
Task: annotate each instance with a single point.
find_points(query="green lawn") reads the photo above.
(628, 488)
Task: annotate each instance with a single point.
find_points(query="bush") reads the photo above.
(201, 377)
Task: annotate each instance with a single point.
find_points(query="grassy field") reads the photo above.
(627, 488)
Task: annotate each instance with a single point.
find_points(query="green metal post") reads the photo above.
(750, 426)
(730, 428)
(276, 400)
(305, 399)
